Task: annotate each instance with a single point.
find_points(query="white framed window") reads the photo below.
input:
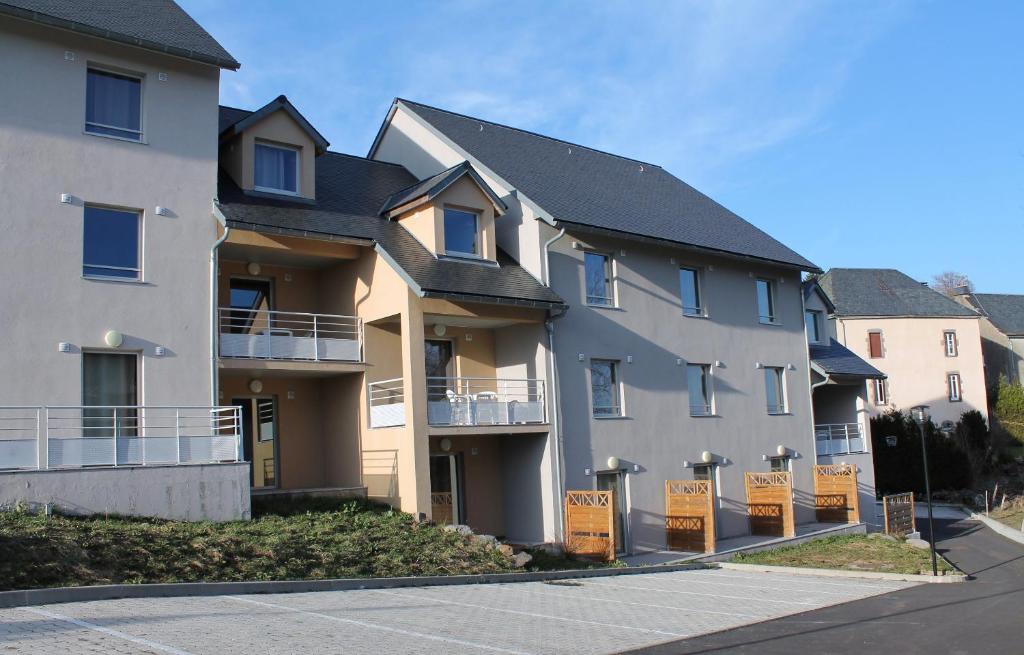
(111, 243)
(775, 389)
(813, 321)
(598, 272)
(949, 341)
(605, 393)
(276, 169)
(881, 392)
(953, 386)
(698, 385)
(113, 104)
(690, 291)
(766, 301)
(461, 233)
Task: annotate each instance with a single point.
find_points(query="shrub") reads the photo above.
(1010, 408)
(899, 468)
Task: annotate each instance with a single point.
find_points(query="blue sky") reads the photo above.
(858, 133)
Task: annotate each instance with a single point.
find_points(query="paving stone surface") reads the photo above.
(589, 616)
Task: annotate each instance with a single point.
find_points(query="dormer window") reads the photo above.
(276, 169)
(461, 230)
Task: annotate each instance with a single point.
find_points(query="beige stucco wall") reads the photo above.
(426, 222)
(238, 155)
(46, 153)
(916, 364)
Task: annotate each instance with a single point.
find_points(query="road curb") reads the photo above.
(1001, 528)
(27, 597)
(843, 573)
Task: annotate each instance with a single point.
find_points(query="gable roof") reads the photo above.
(885, 292)
(159, 25)
(811, 286)
(588, 187)
(1005, 310)
(235, 121)
(836, 359)
(429, 188)
(349, 193)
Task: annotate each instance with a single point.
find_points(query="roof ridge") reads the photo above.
(531, 133)
(230, 107)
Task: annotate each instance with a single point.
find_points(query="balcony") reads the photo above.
(484, 401)
(387, 403)
(42, 437)
(838, 439)
(289, 336)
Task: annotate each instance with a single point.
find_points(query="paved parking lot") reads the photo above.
(595, 615)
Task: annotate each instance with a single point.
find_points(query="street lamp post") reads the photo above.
(920, 414)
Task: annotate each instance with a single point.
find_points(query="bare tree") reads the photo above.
(948, 282)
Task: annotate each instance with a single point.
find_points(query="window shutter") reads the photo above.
(875, 344)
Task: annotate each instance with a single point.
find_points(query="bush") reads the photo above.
(1010, 409)
(899, 468)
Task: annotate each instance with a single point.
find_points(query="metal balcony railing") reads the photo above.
(838, 438)
(46, 437)
(387, 403)
(485, 401)
(295, 336)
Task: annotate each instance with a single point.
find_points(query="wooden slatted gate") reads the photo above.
(899, 514)
(835, 494)
(441, 509)
(690, 515)
(770, 503)
(590, 524)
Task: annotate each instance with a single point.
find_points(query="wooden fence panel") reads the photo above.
(770, 503)
(690, 515)
(835, 494)
(441, 509)
(899, 514)
(590, 524)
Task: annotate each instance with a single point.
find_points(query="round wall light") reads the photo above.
(446, 444)
(439, 329)
(613, 463)
(255, 386)
(113, 338)
(253, 268)
(706, 457)
(781, 450)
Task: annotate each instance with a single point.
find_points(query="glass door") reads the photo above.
(438, 360)
(259, 440)
(445, 490)
(110, 394)
(612, 481)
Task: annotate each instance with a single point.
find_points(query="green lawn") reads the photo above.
(850, 552)
(353, 540)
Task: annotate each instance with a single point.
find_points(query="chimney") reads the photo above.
(962, 291)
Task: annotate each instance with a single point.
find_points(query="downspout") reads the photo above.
(214, 398)
(553, 392)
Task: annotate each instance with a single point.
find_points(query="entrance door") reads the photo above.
(438, 361)
(110, 394)
(445, 490)
(250, 303)
(709, 472)
(612, 481)
(259, 440)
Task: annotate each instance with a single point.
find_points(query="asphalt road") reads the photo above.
(984, 615)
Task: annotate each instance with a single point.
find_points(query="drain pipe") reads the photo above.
(214, 398)
(553, 392)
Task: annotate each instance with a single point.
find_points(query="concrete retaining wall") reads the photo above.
(216, 492)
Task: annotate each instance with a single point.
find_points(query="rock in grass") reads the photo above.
(486, 539)
(522, 559)
(464, 530)
(506, 550)
(918, 543)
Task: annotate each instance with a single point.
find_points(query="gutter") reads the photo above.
(214, 340)
(556, 426)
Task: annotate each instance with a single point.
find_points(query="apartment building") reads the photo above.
(1002, 334)
(927, 345)
(682, 352)
(108, 127)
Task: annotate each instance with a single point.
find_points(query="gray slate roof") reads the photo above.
(159, 25)
(349, 193)
(835, 359)
(435, 184)
(885, 292)
(576, 184)
(1005, 310)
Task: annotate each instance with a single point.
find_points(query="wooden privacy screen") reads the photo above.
(441, 507)
(770, 503)
(899, 514)
(589, 524)
(835, 494)
(690, 515)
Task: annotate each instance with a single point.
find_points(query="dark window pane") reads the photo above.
(597, 279)
(113, 104)
(460, 232)
(697, 385)
(689, 291)
(110, 243)
(765, 301)
(811, 319)
(604, 388)
(109, 380)
(276, 168)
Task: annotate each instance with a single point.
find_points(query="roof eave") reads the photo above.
(72, 26)
(280, 103)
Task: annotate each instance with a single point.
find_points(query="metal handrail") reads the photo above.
(271, 334)
(485, 401)
(829, 433)
(77, 436)
(386, 399)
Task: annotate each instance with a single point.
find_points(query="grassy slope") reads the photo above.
(853, 552)
(1012, 516)
(356, 541)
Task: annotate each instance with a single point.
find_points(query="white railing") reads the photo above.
(45, 437)
(387, 403)
(262, 334)
(484, 401)
(838, 438)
